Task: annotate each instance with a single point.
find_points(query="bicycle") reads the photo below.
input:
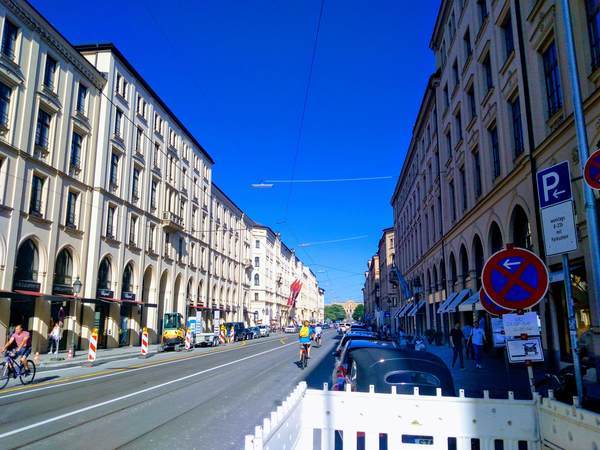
(304, 356)
(7, 370)
(318, 340)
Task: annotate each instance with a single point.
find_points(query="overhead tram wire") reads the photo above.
(304, 106)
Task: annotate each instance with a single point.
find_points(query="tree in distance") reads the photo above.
(334, 312)
(359, 313)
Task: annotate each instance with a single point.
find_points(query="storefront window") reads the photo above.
(63, 272)
(128, 279)
(104, 275)
(27, 262)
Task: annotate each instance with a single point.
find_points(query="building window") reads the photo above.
(37, 190)
(167, 241)
(153, 190)
(110, 221)
(515, 110)
(156, 154)
(458, 120)
(50, 72)
(133, 230)
(180, 249)
(151, 233)
(552, 79)
(256, 261)
(138, 140)
(487, 71)
(81, 99)
(443, 52)
(9, 39)
(468, 47)
(256, 280)
(593, 20)
(493, 132)
(114, 170)
(463, 186)
(452, 200)
(455, 73)
(483, 11)
(507, 31)
(5, 92)
(76, 141)
(446, 97)
(449, 143)
(118, 122)
(472, 104)
(42, 130)
(477, 174)
(135, 185)
(257, 244)
(452, 26)
(71, 208)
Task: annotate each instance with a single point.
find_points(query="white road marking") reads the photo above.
(119, 372)
(133, 394)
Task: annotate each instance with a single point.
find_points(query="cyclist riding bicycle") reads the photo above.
(22, 340)
(304, 338)
(318, 333)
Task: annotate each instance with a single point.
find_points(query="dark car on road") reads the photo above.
(404, 369)
(356, 336)
(252, 333)
(344, 357)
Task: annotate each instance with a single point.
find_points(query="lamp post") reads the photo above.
(76, 290)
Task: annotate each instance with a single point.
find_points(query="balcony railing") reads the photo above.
(172, 221)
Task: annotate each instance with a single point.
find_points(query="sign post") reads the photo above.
(560, 236)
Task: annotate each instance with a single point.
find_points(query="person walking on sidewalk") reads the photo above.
(478, 339)
(55, 338)
(456, 342)
(467, 332)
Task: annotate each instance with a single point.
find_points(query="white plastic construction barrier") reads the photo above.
(188, 340)
(316, 419)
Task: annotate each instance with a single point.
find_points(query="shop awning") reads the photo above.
(467, 305)
(413, 312)
(462, 295)
(446, 303)
(402, 312)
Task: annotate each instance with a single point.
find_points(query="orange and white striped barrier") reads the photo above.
(222, 337)
(36, 358)
(145, 342)
(70, 354)
(93, 346)
(188, 340)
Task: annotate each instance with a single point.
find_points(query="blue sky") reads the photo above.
(235, 73)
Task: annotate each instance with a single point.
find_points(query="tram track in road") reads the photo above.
(77, 379)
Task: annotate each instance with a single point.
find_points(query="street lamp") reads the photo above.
(76, 290)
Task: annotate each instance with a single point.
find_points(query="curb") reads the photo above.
(44, 367)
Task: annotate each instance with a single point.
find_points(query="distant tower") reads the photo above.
(349, 307)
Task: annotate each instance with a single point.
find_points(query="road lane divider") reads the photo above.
(76, 379)
(135, 394)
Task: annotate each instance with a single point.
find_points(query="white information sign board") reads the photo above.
(521, 350)
(518, 324)
(198, 321)
(560, 234)
(498, 337)
(216, 320)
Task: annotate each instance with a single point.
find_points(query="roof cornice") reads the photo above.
(34, 20)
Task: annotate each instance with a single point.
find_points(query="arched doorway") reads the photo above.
(148, 289)
(162, 299)
(178, 302)
(63, 273)
(103, 289)
(496, 242)
(520, 228)
(129, 314)
(25, 279)
(464, 267)
(190, 304)
(453, 273)
(479, 261)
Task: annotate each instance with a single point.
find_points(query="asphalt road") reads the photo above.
(204, 399)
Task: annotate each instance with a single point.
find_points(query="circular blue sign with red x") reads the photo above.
(591, 171)
(515, 278)
(490, 306)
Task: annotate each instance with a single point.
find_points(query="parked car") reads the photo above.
(246, 334)
(291, 329)
(357, 336)
(357, 327)
(406, 369)
(255, 333)
(238, 327)
(263, 330)
(343, 327)
(343, 362)
(326, 326)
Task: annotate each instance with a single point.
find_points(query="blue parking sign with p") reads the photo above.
(554, 184)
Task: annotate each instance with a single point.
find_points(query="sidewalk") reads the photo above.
(497, 376)
(48, 362)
